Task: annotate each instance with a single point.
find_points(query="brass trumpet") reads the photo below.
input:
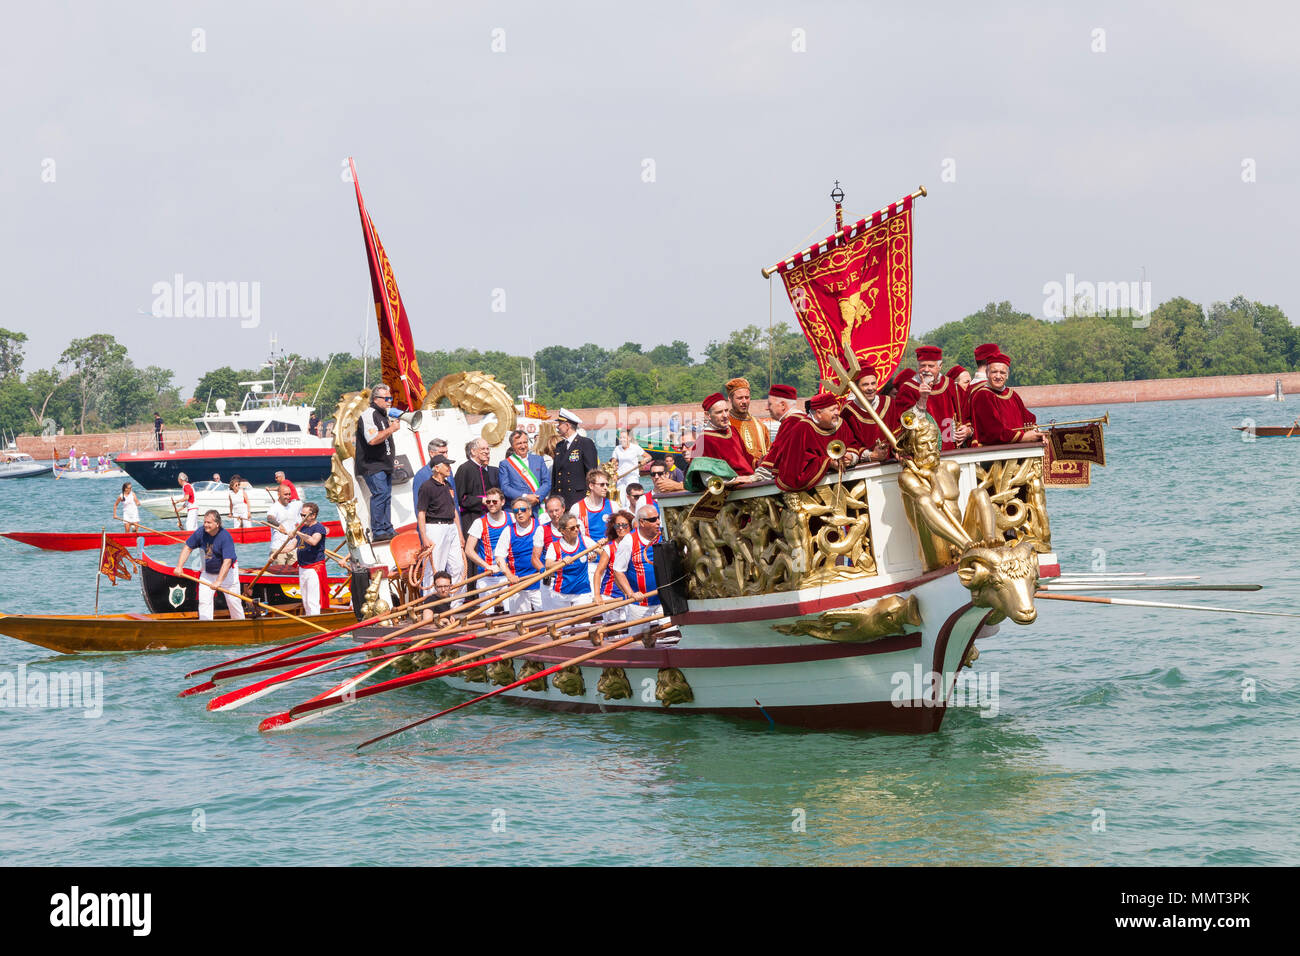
(836, 449)
(715, 485)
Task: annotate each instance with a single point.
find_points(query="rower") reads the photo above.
(284, 515)
(312, 581)
(220, 566)
(1000, 415)
(516, 554)
(635, 558)
(191, 504)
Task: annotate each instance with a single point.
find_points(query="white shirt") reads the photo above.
(628, 458)
(286, 518)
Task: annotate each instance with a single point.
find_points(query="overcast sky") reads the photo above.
(524, 170)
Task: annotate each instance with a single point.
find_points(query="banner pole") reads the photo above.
(768, 271)
(99, 570)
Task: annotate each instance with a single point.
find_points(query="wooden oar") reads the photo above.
(179, 523)
(248, 588)
(454, 634)
(295, 647)
(1080, 586)
(348, 687)
(333, 701)
(1293, 427)
(580, 659)
(168, 535)
(333, 554)
(1178, 607)
(524, 584)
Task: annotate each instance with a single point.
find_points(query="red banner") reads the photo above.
(853, 292)
(396, 347)
(115, 562)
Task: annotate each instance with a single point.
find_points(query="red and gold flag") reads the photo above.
(852, 291)
(396, 347)
(1079, 443)
(115, 562)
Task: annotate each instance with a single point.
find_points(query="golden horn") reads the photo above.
(836, 449)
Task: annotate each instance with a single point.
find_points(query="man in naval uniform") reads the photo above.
(575, 456)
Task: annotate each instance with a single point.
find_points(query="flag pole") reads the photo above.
(99, 571)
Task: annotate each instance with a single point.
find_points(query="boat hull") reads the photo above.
(1271, 431)
(88, 541)
(26, 471)
(85, 633)
(158, 581)
(159, 469)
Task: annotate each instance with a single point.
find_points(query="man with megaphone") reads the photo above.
(374, 460)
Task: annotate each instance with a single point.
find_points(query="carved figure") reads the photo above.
(672, 688)
(569, 681)
(1003, 579)
(476, 393)
(614, 684)
(528, 669)
(502, 673)
(881, 618)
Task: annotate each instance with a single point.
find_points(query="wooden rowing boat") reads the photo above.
(1270, 431)
(165, 591)
(89, 541)
(81, 633)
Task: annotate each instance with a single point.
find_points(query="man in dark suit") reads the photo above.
(575, 455)
(473, 480)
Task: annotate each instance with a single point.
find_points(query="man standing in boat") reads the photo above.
(374, 459)
(932, 392)
(312, 580)
(720, 440)
(867, 434)
(191, 504)
(1000, 415)
(285, 515)
(753, 436)
(524, 475)
(438, 522)
(575, 457)
(157, 431)
(283, 482)
(220, 566)
(800, 457)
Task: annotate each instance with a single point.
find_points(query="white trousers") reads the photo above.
(309, 585)
(192, 519)
(206, 595)
(634, 612)
(525, 601)
(570, 600)
(447, 554)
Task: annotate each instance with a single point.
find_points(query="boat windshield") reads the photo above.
(216, 425)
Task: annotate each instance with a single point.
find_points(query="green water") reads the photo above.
(1130, 717)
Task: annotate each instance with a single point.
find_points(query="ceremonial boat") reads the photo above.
(89, 540)
(83, 633)
(852, 603)
(165, 591)
(267, 434)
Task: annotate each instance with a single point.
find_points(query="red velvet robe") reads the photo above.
(865, 430)
(1000, 418)
(727, 446)
(798, 456)
(783, 432)
(943, 406)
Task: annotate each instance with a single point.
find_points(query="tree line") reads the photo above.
(94, 386)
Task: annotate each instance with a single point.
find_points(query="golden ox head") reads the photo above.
(1004, 579)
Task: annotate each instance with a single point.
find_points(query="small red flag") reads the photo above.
(115, 562)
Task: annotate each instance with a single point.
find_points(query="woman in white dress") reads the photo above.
(240, 512)
(130, 510)
(628, 457)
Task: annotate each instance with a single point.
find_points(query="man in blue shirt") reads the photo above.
(311, 561)
(220, 566)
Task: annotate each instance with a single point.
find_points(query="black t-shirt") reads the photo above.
(436, 501)
(372, 459)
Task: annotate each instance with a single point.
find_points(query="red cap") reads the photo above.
(982, 352)
(866, 370)
(905, 375)
(928, 353)
(782, 391)
(953, 372)
(713, 399)
(823, 400)
(1000, 358)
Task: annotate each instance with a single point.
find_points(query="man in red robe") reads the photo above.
(799, 457)
(719, 440)
(934, 393)
(960, 379)
(780, 406)
(867, 435)
(1000, 415)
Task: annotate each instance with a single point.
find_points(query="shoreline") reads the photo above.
(656, 416)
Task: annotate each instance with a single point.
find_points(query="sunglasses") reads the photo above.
(622, 526)
(521, 511)
(650, 520)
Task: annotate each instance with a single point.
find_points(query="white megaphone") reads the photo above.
(410, 419)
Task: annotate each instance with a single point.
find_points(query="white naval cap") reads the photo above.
(568, 416)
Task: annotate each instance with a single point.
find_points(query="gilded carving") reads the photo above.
(672, 688)
(930, 490)
(528, 669)
(476, 393)
(569, 681)
(339, 487)
(860, 625)
(502, 673)
(372, 604)
(765, 544)
(1015, 487)
(477, 675)
(614, 684)
(1003, 579)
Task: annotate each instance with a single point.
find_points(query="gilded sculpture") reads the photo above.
(859, 625)
(613, 684)
(672, 688)
(476, 393)
(569, 681)
(530, 668)
(502, 672)
(930, 490)
(1015, 487)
